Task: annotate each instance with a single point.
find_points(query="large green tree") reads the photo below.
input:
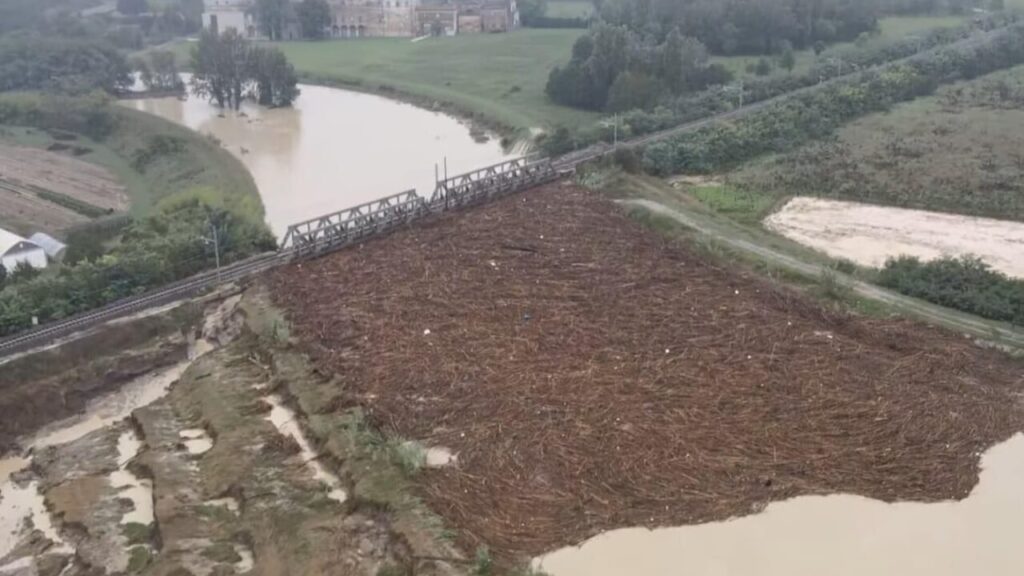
(314, 18)
(227, 68)
(273, 16)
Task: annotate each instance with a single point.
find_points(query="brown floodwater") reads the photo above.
(333, 149)
(840, 535)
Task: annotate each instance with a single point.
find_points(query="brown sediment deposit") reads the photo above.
(591, 374)
(47, 385)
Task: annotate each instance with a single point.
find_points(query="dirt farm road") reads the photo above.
(965, 323)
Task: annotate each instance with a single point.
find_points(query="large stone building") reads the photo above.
(381, 18)
(223, 15)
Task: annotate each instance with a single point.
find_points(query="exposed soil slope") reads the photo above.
(591, 375)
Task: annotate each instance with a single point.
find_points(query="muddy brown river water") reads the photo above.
(837, 534)
(334, 149)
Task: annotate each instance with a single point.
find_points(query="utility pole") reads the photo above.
(615, 131)
(216, 247)
(741, 93)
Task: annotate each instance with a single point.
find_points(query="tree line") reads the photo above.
(149, 253)
(66, 65)
(227, 69)
(722, 98)
(747, 26)
(817, 113)
(135, 23)
(613, 68)
(964, 283)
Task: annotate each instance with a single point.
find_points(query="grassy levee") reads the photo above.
(151, 157)
(676, 213)
(200, 163)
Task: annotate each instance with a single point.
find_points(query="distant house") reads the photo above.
(15, 249)
(437, 19)
(222, 15)
(54, 248)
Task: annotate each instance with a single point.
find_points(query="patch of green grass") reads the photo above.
(957, 151)
(484, 564)
(500, 77)
(199, 163)
(139, 557)
(137, 533)
(891, 29)
(744, 206)
(222, 552)
(570, 9)
(410, 456)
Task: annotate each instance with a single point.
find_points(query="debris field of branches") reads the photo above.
(591, 374)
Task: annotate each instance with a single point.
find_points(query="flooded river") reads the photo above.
(838, 535)
(334, 149)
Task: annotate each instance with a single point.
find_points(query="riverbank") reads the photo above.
(150, 157)
(333, 149)
(229, 464)
(493, 80)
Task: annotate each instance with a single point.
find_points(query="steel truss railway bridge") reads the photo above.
(315, 237)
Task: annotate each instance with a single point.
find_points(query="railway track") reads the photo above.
(562, 165)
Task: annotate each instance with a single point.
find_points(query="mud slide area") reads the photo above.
(869, 235)
(42, 189)
(590, 375)
(55, 383)
(212, 467)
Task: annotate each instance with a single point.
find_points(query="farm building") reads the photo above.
(15, 249)
(54, 248)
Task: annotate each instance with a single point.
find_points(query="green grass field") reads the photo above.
(500, 77)
(958, 151)
(570, 9)
(890, 29)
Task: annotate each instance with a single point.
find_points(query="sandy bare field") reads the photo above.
(868, 234)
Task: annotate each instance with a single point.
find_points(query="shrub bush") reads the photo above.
(965, 283)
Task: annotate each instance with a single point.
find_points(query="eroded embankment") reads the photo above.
(229, 469)
(51, 384)
(591, 375)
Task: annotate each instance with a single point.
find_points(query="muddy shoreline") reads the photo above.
(222, 472)
(52, 384)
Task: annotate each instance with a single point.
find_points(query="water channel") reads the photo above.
(335, 148)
